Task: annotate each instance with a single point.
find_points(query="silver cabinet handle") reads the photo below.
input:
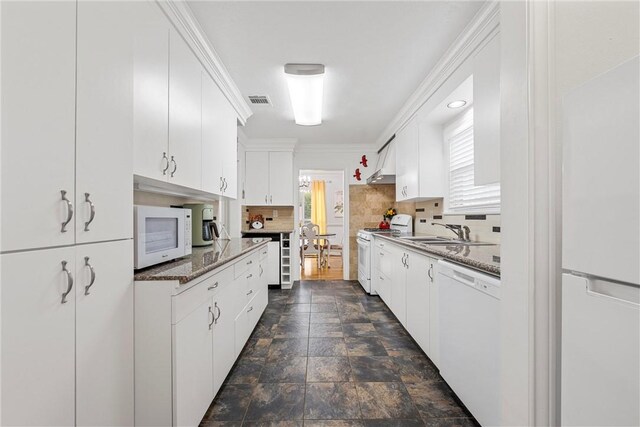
(221, 184)
(93, 275)
(381, 253)
(250, 292)
(69, 211)
(213, 318)
(215, 285)
(249, 276)
(406, 261)
(219, 313)
(403, 259)
(271, 199)
(175, 166)
(166, 168)
(93, 211)
(69, 282)
(250, 262)
(429, 272)
(265, 199)
(261, 271)
(225, 184)
(250, 309)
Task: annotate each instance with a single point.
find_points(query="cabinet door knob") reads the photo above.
(69, 211)
(69, 282)
(92, 215)
(166, 168)
(93, 275)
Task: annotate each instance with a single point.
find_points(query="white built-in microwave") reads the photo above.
(161, 234)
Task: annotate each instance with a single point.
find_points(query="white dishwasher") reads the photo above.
(469, 324)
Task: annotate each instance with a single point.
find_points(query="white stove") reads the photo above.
(400, 224)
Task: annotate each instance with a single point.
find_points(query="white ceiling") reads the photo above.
(376, 54)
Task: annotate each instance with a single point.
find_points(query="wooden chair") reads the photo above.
(310, 243)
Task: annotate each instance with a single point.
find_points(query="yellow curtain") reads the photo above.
(318, 207)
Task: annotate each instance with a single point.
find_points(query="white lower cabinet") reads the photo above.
(418, 298)
(67, 336)
(104, 334)
(189, 337)
(224, 355)
(38, 337)
(193, 365)
(405, 280)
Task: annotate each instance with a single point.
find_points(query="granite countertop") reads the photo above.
(201, 261)
(483, 258)
(263, 231)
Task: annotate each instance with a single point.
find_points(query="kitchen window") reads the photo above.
(463, 195)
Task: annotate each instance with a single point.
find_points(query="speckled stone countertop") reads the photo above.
(483, 258)
(263, 231)
(201, 261)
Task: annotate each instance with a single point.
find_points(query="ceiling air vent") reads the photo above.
(260, 100)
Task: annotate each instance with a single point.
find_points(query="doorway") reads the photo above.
(321, 211)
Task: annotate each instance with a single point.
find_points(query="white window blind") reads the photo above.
(464, 196)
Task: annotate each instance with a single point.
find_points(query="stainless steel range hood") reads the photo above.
(385, 171)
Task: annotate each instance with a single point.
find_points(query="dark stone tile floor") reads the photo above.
(326, 354)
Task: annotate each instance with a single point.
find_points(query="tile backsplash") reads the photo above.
(484, 228)
(283, 220)
(367, 203)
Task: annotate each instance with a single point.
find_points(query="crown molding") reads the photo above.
(270, 144)
(181, 16)
(336, 148)
(484, 24)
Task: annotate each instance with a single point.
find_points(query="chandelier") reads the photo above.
(304, 183)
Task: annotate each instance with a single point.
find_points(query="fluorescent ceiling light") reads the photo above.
(457, 104)
(306, 82)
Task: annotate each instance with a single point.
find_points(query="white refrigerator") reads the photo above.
(600, 372)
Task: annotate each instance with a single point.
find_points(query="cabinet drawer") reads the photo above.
(379, 244)
(187, 301)
(243, 265)
(264, 251)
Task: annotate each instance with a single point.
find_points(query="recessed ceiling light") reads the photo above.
(306, 84)
(457, 104)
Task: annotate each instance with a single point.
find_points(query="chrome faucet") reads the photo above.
(461, 232)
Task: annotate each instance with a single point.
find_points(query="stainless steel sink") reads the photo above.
(457, 242)
(425, 238)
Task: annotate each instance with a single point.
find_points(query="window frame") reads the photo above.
(459, 124)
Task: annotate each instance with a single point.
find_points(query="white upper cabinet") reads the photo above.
(486, 113)
(104, 125)
(38, 123)
(407, 163)
(419, 161)
(281, 178)
(257, 178)
(269, 178)
(219, 141)
(150, 91)
(185, 109)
